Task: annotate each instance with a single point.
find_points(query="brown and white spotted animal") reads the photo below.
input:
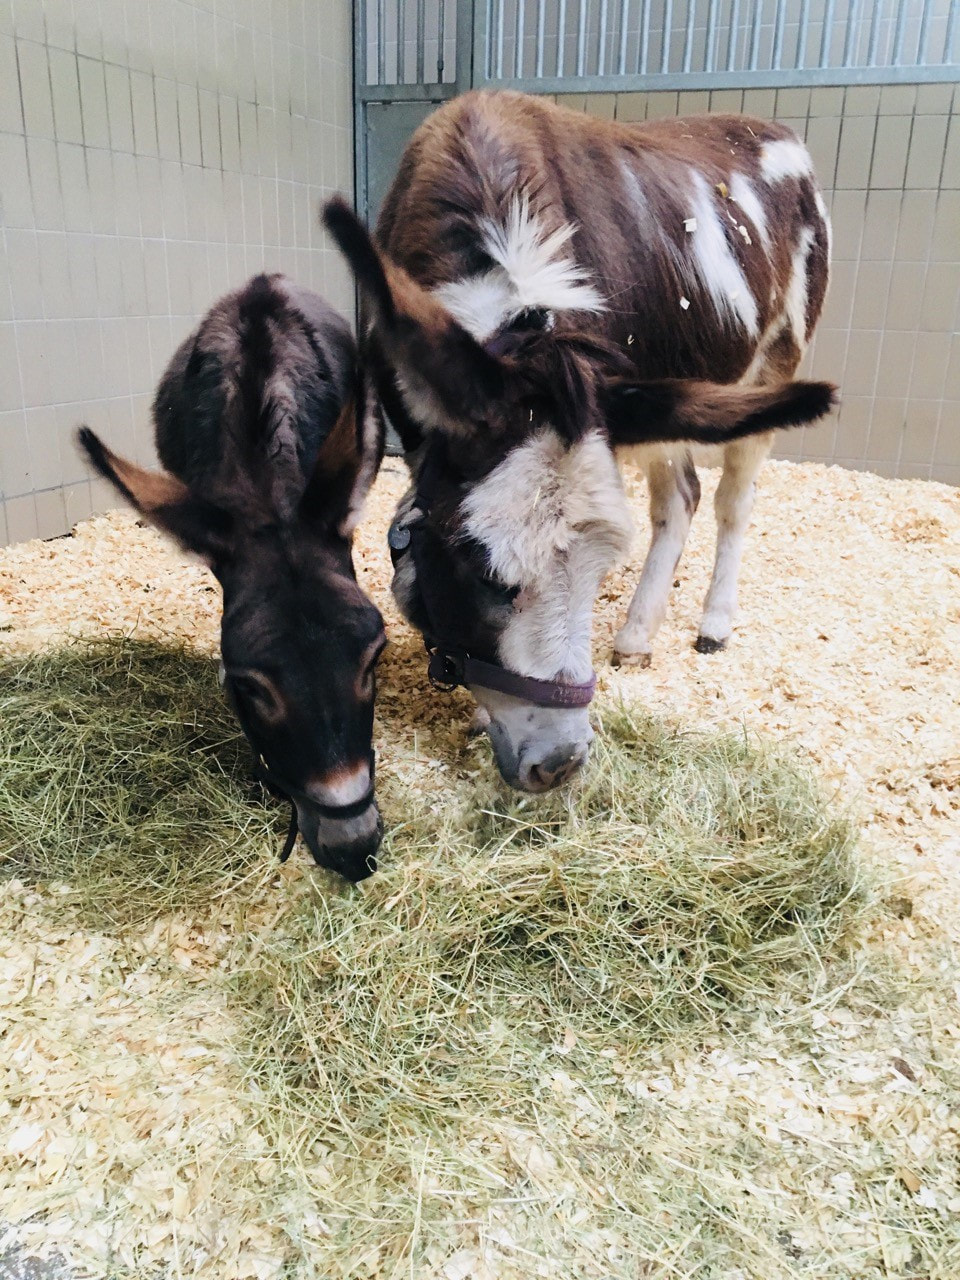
(546, 289)
(267, 464)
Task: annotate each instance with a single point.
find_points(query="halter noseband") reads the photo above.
(450, 667)
(339, 812)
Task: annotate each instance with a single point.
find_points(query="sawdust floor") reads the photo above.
(847, 646)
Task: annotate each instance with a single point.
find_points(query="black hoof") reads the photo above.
(706, 644)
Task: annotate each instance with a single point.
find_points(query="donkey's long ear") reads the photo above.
(708, 412)
(448, 378)
(346, 466)
(198, 526)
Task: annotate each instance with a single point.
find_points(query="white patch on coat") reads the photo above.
(650, 233)
(785, 158)
(795, 299)
(716, 265)
(554, 520)
(635, 191)
(828, 226)
(531, 272)
(482, 304)
(752, 375)
(531, 259)
(369, 429)
(743, 194)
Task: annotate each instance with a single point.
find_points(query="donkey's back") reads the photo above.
(692, 243)
(255, 389)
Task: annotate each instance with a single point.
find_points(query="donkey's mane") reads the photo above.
(256, 377)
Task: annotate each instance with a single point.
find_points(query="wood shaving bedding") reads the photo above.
(846, 646)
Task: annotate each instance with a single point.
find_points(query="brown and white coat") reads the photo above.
(556, 285)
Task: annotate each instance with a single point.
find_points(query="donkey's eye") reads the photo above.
(368, 671)
(257, 692)
(501, 589)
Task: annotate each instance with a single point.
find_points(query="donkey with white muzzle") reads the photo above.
(548, 288)
(262, 425)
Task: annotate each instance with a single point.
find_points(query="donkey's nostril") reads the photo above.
(538, 779)
(553, 771)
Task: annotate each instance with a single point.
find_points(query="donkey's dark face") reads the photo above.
(299, 640)
(300, 645)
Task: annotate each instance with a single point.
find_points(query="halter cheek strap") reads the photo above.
(339, 812)
(448, 670)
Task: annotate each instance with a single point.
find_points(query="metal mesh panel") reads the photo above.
(537, 44)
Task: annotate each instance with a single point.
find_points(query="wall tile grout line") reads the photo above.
(131, 215)
(869, 435)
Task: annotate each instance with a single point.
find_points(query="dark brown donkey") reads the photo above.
(261, 424)
(545, 291)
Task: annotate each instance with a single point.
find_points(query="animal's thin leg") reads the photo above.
(674, 494)
(733, 504)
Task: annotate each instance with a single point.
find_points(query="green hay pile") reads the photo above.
(451, 1044)
(124, 775)
(412, 1036)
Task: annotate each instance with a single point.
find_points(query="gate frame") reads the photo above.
(437, 92)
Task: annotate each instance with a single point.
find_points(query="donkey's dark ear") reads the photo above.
(708, 412)
(449, 379)
(345, 468)
(198, 526)
(354, 242)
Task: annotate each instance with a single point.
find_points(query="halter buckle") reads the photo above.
(398, 536)
(445, 670)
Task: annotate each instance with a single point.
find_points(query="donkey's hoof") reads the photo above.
(707, 644)
(638, 660)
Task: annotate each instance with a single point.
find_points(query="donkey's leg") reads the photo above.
(674, 494)
(733, 503)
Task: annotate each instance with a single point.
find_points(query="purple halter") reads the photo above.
(448, 670)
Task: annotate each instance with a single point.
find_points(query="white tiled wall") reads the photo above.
(153, 153)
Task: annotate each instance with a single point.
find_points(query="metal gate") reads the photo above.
(411, 55)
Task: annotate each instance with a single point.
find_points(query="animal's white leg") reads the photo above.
(733, 503)
(674, 494)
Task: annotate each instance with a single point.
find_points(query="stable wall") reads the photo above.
(153, 154)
